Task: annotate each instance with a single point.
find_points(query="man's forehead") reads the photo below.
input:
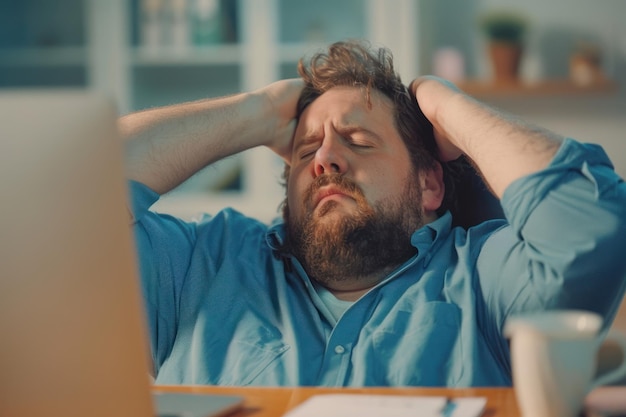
(349, 104)
(358, 93)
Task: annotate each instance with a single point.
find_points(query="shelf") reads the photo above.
(215, 55)
(537, 89)
(192, 55)
(43, 57)
(292, 52)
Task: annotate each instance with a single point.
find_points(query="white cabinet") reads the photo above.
(110, 45)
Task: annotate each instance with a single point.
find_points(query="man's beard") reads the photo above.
(373, 240)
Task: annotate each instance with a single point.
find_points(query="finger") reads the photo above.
(425, 78)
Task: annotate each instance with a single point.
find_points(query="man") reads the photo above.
(366, 282)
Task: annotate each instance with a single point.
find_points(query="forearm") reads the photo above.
(167, 145)
(502, 147)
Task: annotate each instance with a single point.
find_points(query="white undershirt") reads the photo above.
(336, 306)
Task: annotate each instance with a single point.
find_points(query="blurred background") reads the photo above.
(558, 63)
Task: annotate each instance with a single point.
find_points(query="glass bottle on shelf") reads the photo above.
(206, 25)
(179, 24)
(150, 22)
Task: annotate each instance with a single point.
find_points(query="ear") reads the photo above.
(433, 188)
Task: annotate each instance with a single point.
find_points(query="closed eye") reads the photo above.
(359, 137)
(307, 153)
(307, 147)
(360, 145)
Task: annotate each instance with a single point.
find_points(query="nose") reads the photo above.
(330, 158)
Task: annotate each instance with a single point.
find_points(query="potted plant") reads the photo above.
(505, 32)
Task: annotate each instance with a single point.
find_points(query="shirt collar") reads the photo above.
(432, 232)
(276, 234)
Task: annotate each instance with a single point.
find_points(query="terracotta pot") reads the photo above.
(505, 61)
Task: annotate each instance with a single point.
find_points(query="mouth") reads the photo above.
(326, 192)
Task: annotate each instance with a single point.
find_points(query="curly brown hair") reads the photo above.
(356, 63)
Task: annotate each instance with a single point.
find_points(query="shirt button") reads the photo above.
(339, 349)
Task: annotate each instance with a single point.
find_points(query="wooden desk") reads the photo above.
(274, 402)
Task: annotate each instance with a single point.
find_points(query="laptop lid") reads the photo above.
(72, 339)
(72, 336)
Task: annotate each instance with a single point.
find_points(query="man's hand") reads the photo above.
(432, 94)
(503, 147)
(282, 98)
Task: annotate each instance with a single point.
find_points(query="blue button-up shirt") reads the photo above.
(225, 308)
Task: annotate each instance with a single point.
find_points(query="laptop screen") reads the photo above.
(72, 338)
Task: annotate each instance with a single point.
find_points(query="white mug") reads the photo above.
(553, 357)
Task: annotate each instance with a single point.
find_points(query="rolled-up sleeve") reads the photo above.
(565, 246)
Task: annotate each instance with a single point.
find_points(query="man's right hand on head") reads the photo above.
(281, 98)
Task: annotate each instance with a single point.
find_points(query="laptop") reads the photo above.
(72, 329)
